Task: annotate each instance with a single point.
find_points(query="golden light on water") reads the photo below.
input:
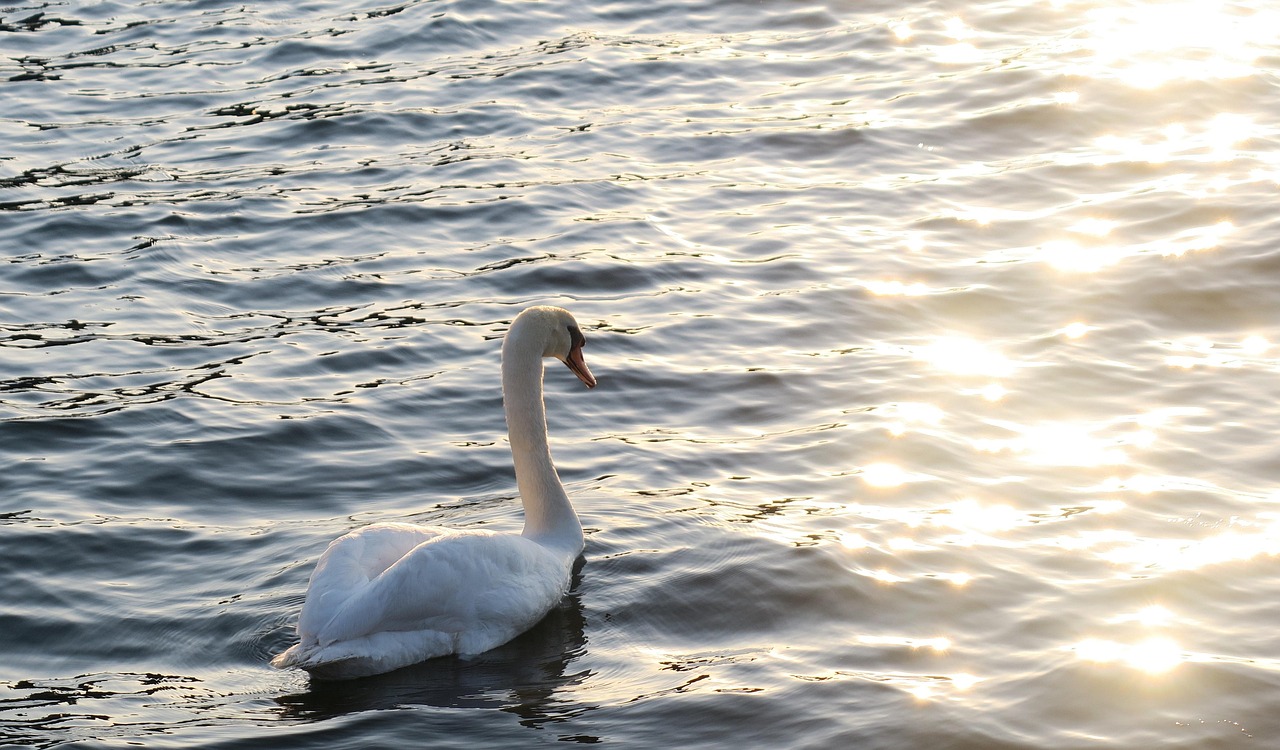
(1150, 616)
(986, 215)
(1076, 330)
(1155, 655)
(1141, 483)
(922, 687)
(904, 544)
(1215, 141)
(885, 475)
(1255, 345)
(1093, 226)
(893, 288)
(1067, 444)
(1148, 45)
(1195, 154)
(960, 53)
(994, 392)
(965, 356)
(1199, 238)
(1196, 351)
(908, 416)
(1234, 545)
(1070, 255)
(938, 643)
(929, 690)
(970, 515)
(884, 576)
(957, 29)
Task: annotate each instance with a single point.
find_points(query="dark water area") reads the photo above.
(937, 351)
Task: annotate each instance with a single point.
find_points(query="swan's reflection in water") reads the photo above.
(522, 677)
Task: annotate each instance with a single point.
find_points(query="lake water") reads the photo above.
(938, 347)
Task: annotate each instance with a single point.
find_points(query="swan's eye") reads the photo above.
(576, 339)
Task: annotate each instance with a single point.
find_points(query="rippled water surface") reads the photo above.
(938, 348)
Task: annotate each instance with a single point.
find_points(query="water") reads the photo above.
(937, 347)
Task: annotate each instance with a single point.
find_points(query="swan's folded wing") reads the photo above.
(454, 583)
(351, 562)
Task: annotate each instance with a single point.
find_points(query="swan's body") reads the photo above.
(393, 594)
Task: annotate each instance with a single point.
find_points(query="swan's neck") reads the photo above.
(549, 519)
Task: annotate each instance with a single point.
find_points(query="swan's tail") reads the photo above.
(368, 655)
(290, 657)
(320, 663)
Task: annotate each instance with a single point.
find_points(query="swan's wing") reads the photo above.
(350, 562)
(468, 584)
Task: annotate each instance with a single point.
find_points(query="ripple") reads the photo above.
(935, 350)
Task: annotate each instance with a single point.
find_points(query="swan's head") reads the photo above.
(561, 337)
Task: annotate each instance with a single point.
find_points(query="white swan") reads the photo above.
(394, 594)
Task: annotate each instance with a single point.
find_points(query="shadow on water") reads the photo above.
(521, 677)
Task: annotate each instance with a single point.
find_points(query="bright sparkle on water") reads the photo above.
(1154, 656)
(1148, 45)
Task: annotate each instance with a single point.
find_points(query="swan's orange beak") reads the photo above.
(579, 366)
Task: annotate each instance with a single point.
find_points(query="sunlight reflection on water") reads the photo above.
(1150, 44)
(1154, 655)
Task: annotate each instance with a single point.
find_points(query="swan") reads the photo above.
(393, 594)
